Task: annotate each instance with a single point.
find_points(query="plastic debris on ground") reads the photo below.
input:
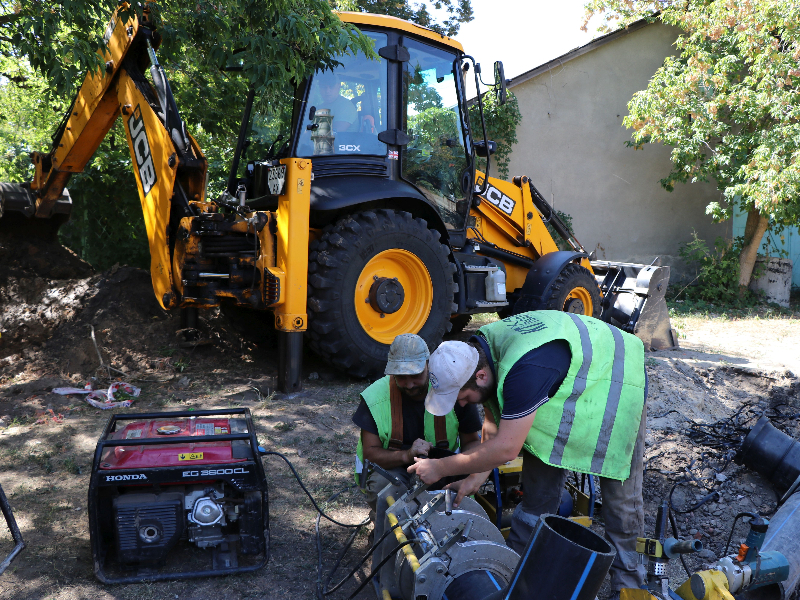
(104, 399)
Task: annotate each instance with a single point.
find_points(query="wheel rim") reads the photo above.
(412, 275)
(579, 301)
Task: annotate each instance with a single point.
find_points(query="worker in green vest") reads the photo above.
(396, 428)
(567, 390)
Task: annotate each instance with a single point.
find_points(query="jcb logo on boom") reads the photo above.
(500, 200)
(496, 197)
(141, 150)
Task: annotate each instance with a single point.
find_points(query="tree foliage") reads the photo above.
(46, 47)
(728, 104)
(27, 119)
(274, 41)
(501, 126)
(457, 11)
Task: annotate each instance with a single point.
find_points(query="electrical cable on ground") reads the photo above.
(322, 590)
(325, 590)
(386, 559)
(310, 497)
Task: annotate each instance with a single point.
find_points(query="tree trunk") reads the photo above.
(754, 232)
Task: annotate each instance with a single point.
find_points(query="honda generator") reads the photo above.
(177, 495)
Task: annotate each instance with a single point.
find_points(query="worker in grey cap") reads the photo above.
(396, 428)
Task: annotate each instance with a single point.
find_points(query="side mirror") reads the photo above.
(500, 83)
(483, 149)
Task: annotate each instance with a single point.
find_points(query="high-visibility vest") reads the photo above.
(386, 406)
(590, 425)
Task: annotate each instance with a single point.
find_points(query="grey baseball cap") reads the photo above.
(407, 355)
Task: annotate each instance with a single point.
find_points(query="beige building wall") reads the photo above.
(572, 145)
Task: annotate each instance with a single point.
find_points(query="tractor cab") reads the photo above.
(377, 130)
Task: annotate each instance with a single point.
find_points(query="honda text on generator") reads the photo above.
(365, 218)
(177, 495)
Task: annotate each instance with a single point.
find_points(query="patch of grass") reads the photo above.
(166, 351)
(283, 427)
(710, 310)
(181, 364)
(650, 362)
(21, 490)
(481, 319)
(70, 466)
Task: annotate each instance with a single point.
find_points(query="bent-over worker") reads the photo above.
(570, 391)
(396, 428)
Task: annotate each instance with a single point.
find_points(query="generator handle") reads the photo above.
(110, 428)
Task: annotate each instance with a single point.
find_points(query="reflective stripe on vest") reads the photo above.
(590, 424)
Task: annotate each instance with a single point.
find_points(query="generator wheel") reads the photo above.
(575, 290)
(372, 276)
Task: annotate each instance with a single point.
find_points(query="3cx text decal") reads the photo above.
(141, 150)
(498, 198)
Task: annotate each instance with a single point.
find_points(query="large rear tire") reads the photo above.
(372, 276)
(575, 290)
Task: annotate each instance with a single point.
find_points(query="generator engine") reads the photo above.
(165, 505)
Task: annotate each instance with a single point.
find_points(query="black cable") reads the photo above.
(358, 526)
(360, 564)
(380, 564)
(310, 497)
(704, 500)
(733, 526)
(320, 586)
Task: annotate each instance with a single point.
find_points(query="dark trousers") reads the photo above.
(623, 510)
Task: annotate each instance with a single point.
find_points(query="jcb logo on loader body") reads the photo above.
(141, 150)
(496, 197)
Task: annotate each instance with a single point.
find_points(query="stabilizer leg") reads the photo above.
(290, 361)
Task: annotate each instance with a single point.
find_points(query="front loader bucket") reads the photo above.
(633, 300)
(18, 208)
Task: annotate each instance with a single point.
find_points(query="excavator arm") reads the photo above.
(203, 253)
(169, 166)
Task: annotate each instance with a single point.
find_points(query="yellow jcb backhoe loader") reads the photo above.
(368, 221)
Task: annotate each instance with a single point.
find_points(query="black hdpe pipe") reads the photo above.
(771, 453)
(562, 561)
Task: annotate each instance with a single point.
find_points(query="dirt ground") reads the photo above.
(52, 302)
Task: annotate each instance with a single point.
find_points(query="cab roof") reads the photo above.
(359, 18)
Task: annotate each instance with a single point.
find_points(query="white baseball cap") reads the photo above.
(450, 366)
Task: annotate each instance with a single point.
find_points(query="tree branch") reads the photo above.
(6, 19)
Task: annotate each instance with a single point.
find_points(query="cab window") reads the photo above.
(346, 108)
(435, 159)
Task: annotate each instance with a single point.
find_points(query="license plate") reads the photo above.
(276, 179)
